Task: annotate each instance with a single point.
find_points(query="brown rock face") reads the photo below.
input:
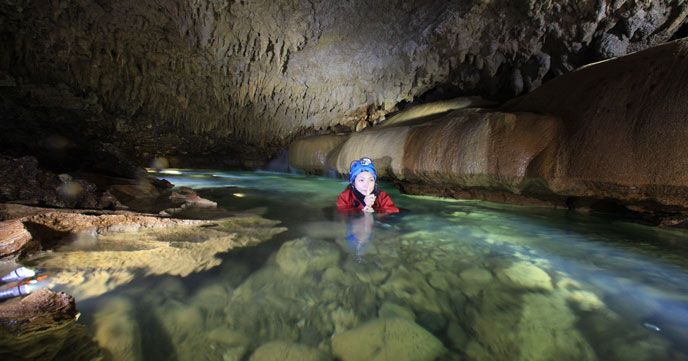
(625, 133)
(196, 78)
(37, 310)
(13, 237)
(617, 136)
(24, 181)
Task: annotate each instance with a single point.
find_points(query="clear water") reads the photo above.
(486, 281)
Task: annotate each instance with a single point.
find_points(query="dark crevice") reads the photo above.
(682, 32)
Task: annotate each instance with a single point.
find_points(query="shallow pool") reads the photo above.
(445, 279)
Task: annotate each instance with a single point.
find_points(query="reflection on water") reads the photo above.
(446, 279)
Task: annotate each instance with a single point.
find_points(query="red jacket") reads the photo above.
(347, 202)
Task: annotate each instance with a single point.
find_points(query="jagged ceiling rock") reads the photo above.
(260, 71)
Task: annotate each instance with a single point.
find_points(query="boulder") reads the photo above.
(387, 339)
(287, 351)
(304, 255)
(526, 276)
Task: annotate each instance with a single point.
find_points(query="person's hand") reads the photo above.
(369, 200)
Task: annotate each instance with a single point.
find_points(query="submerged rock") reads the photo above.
(173, 247)
(43, 327)
(286, 351)
(533, 327)
(306, 255)
(387, 339)
(117, 329)
(36, 311)
(527, 276)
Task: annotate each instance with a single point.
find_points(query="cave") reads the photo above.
(344, 180)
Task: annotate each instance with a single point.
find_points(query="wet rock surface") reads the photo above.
(43, 327)
(36, 311)
(95, 254)
(13, 237)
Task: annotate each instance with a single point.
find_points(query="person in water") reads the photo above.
(362, 193)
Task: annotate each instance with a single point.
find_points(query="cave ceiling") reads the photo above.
(260, 72)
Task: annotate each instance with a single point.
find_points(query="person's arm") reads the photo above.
(344, 204)
(385, 203)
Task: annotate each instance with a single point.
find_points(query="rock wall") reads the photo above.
(201, 78)
(612, 132)
(625, 126)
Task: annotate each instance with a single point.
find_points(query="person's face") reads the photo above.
(364, 183)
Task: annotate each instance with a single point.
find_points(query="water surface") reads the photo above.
(470, 280)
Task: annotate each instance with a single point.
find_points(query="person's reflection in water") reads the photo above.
(359, 233)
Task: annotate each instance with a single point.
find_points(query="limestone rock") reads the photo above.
(623, 138)
(577, 149)
(187, 197)
(387, 339)
(527, 276)
(128, 244)
(40, 309)
(533, 327)
(13, 237)
(306, 255)
(285, 351)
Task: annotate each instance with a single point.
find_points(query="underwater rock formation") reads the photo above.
(32, 312)
(285, 351)
(387, 339)
(201, 79)
(91, 265)
(43, 327)
(609, 132)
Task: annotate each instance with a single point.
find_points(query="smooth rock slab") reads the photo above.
(394, 339)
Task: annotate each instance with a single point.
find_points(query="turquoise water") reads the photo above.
(445, 279)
